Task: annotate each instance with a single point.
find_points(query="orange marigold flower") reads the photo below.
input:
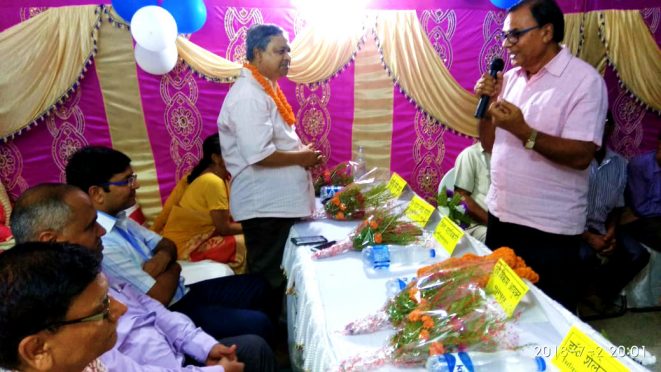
(378, 238)
(415, 315)
(436, 348)
(373, 224)
(336, 200)
(424, 334)
(527, 273)
(339, 216)
(427, 322)
(343, 207)
(284, 108)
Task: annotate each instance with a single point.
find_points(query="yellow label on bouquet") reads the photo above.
(506, 287)
(447, 234)
(578, 353)
(396, 184)
(419, 211)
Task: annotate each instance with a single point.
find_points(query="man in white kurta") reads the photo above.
(271, 186)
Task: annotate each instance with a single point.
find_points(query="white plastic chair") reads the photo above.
(199, 271)
(644, 291)
(447, 181)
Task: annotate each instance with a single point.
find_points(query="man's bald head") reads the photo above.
(42, 207)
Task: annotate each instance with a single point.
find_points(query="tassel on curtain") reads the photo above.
(419, 71)
(633, 54)
(44, 59)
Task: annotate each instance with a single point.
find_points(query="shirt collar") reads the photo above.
(556, 66)
(108, 222)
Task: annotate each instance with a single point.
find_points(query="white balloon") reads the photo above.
(157, 63)
(153, 27)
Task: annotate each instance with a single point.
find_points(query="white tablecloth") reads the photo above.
(325, 295)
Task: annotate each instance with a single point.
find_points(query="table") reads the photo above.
(325, 295)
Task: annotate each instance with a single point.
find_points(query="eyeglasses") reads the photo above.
(130, 181)
(103, 314)
(512, 36)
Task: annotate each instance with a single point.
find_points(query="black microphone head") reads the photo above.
(497, 64)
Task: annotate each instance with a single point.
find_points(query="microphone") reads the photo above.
(497, 65)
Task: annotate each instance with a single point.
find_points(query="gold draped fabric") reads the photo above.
(117, 74)
(316, 57)
(373, 102)
(593, 51)
(634, 54)
(573, 35)
(49, 53)
(420, 72)
(206, 63)
(42, 58)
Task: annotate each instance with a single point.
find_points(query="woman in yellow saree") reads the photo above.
(196, 215)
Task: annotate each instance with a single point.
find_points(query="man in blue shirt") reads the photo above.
(644, 197)
(611, 257)
(223, 307)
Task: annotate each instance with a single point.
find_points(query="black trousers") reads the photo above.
(608, 277)
(265, 244)
(554, 257)
(646, 230)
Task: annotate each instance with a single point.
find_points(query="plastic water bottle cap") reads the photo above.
(541, 364)
(432, 253)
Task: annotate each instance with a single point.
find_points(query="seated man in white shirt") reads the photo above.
(472, 180)
(149, 336)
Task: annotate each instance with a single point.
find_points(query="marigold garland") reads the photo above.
(284, 108)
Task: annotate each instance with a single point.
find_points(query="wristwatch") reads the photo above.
(530, 143)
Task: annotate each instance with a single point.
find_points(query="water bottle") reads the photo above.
(396, 285)
(360, 166)
(500, 361)
(387, 257)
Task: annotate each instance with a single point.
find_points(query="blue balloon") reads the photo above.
(504, 4)
(127, 8)
(189, 14)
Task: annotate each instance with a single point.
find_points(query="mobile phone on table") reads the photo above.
(309, 240)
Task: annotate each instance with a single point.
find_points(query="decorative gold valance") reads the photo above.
(50, 53)
(206, 63)
(419, 71)
(43, 60)
(633, 53)
(316, 57)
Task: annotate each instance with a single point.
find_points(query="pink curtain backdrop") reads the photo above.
(40, 155)
(181, 109)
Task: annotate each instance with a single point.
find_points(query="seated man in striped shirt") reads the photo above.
(611, 257)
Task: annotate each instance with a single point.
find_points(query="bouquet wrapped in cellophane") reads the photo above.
(353, 202)
(340, 175)
(452, 204)
(444, 310)
(380, 227)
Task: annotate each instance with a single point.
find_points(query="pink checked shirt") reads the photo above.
(566, 98)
